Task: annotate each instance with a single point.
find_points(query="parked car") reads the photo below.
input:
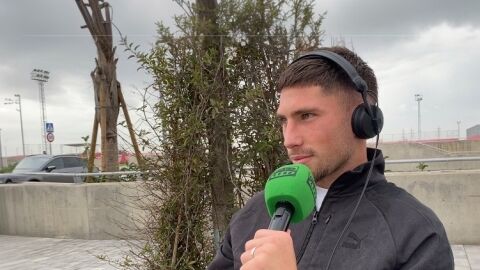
(48, 164)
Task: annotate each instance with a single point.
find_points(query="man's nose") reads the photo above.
(291, 136)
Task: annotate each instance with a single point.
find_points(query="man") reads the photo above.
(389, 230)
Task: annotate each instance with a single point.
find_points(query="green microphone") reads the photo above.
(290, 194)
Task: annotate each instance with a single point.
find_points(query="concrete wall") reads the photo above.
(453, 195)
(409, 150)
(81, 211)
(95, 211)
(434, 166)
(414, 150)
(459, 147)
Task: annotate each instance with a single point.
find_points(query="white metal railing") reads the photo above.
(443, 159)
(411, 136)
(77, 177)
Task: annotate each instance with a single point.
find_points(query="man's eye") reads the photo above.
(305, 116)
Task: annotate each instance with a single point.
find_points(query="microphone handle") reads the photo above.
(281, 219)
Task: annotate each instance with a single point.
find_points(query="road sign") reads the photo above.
(48, 127)
(50, 137)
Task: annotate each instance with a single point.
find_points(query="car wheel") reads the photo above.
(34, 180)
(8, 181)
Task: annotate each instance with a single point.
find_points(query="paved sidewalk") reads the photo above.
(466, 257)
(33, 253)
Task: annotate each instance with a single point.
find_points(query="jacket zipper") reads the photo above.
(312, 226)
(309, 234)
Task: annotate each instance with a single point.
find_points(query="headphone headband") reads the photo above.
(360, 84)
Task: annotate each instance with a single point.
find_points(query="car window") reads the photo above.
(32, 163)
(82, 162)
(58, 163)
(71, 162)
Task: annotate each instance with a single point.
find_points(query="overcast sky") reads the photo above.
(426, 47)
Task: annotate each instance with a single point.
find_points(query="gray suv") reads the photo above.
(45, 163)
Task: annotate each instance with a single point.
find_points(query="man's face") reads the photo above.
(316, 129)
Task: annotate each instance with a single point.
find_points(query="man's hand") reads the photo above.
(272, 250)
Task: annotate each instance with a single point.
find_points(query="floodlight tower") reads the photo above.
(42, 77)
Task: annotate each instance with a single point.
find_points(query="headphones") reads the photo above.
(367, 120)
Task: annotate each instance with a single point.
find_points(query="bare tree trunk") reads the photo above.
(108, 112)
(93, 146)
(106, 87)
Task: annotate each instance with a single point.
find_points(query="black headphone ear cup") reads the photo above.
(363, 125)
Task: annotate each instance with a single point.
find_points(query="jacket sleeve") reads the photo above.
(432, 253)
(224, 257)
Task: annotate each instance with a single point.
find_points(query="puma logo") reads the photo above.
(352, 241)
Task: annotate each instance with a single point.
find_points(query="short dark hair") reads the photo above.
(323, 72)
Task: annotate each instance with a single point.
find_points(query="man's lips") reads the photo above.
(299, 158)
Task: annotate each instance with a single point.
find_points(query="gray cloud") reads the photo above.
(441, 64)
(374, 17)
(412, 45)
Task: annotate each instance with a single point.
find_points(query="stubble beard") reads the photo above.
(332, 163)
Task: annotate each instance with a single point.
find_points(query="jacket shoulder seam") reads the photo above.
(388, 225)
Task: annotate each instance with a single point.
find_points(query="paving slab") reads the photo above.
(27, 253)
(460, 257)
(34, 253)
(473, 254)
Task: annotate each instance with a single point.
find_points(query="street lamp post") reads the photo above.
(1, 155)
(458, 127)
(42, 77)
(19, 99)
(19, 102)
(419, 98)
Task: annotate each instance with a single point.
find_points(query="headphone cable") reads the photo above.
(356, 206)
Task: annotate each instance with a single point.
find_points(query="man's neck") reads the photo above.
(357, 159)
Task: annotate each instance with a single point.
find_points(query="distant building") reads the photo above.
(473, 133)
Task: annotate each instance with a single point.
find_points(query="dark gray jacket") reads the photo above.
(391, 229)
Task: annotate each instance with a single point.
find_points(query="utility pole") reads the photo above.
(19, 102)
(419, 98)
(42, 77)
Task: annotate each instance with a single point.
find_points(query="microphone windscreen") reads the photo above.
(294, 184)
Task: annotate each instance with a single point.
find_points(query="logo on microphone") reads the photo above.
(311, 185)
(284, 172)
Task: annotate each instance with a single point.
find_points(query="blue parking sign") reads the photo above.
(49, 127)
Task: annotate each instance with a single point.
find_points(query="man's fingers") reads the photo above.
(265, 236)
(250, 244)
(245, 257)
(256, 262)
(249, 254)
(264, 233)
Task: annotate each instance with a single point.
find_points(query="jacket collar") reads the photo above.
(352, 182)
